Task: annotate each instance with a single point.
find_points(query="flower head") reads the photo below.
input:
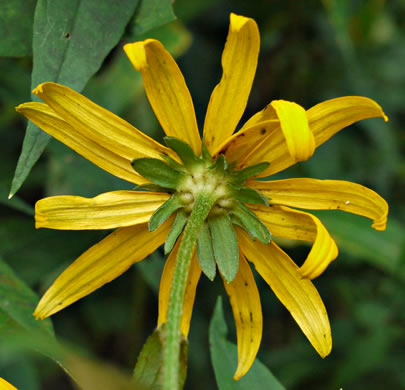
(246, 212)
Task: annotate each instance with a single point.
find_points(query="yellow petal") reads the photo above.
(281, 128)
(315, 194)
(240, 144)
(4, 385)
(101, 264)
(325, 119)
(298, 225)
(331, 116)
(97, 123)
(294, 125)
(229, 98)
(166, 89)
(247, 312)
(45, 118)
(298, 295)
(165, 286)
(106, 211)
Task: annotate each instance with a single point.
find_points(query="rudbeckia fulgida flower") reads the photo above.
(246, 216)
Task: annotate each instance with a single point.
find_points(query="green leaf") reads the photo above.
(151, 14)
(149, 364)
(225, 245)
(16, 19)
(157, 171)
(205, 252)
(176, 229)
(18, 302)
(164, 212)
(249, 195)
(251, 223)
(71, 40)
(184, 151)
(224, 360)
(89, 374)
(244, 174)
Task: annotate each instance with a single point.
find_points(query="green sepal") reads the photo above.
(184, 151)
(164, 212)
(205, 154)
(157, 171)
(252, 224)
(205, 252)
(221, 165)
(176, 229)
(239, 177)
(173, 163)
(237, 222)
(148, 369)
(225, 245)
(249, 195)
(153, 187)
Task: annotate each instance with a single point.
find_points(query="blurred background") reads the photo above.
(310, 51)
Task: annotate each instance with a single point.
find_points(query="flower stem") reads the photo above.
(171, 350)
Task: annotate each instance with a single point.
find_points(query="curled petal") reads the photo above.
(98, 124)
(45, 118)
(298, 225)
(106, 211)
(297, 294)
(166, 89)
(194, 274)
(247, 312)
(294, 125)
(315, 194)
(229, 98)
(101, 264)
(325, 119)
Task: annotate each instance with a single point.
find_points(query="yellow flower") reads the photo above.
(282, 134)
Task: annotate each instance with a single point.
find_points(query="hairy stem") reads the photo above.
(171, 350)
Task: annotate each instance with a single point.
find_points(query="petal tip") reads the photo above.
(39, 89)
(136, 53)
(238, 21)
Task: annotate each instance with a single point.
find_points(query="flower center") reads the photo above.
(207, 193)
(207, 180)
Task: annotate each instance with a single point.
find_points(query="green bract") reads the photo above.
(196, 175)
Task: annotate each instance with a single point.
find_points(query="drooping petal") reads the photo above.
(229, 98)
(247, 312)
(297, 294)
(101, 264)
(106, 211)
(189, 296)
(99, 124)
(298, 225)
(45, 118)
(325, 119)
(166, 89)
(315, 194)
(331, 116)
